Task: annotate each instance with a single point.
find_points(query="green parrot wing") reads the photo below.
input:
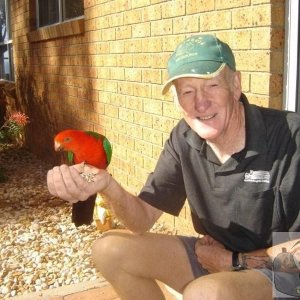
(108, 149)
(95, 135)
(106, 144)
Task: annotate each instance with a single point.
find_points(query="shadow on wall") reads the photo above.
(33, 100)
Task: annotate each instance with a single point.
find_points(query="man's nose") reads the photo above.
(201, 102)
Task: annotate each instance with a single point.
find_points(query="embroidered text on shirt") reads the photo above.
(257, 176)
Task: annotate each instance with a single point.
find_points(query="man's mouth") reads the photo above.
(205, 118)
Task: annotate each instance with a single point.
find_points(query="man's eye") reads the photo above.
(186, 93)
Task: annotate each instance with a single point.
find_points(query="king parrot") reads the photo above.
(91, 148)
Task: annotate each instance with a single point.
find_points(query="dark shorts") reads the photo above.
(285, 285)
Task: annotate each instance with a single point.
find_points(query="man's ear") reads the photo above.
(237, 86)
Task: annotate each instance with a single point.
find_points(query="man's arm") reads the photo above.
(133, 212)
(67, 183)
(283, 257)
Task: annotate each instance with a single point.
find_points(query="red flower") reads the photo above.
(19, 118)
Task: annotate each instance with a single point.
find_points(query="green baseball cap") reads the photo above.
(200, 56)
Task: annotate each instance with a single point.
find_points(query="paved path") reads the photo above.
(96, 290)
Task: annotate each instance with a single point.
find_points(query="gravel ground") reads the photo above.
(39, 246)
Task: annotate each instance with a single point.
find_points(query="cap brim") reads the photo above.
(204, 70)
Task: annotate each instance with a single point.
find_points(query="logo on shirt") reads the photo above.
(257, 176)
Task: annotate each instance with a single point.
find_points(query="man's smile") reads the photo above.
(204, 118)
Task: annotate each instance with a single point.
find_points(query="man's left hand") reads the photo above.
(212, 255)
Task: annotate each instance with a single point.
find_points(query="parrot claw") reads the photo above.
(89, 177)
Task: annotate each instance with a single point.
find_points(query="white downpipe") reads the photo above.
(291, 52)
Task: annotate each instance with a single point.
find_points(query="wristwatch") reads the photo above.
(236, 266)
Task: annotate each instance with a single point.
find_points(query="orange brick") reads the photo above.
(133, 46)
(152, 12)
(111, 111)
(221, 4)
(186, 24)
(142, 90)
(215, 20)
(257, 61)
(151, 75)
(199, 6)
(115, 20)
(123, 32)
(153, 107)
(132, 16)
(143, 147)
(152, 44)
(262, 15)
(169, 110)
(133, 74)
(161, 27)
(135, 103)
(175, 9)
(122, 60)
(140, 3)
(117, 47)
(260, 83)
(126, 114)
(108, 34)
(153, 136)
(141, 30)
(242, 17)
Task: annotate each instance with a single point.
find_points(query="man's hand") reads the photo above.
(66, 182)
(212, 255)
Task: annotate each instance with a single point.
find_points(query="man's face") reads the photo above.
(210, 106)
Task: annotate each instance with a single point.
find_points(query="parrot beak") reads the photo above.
(57, 146)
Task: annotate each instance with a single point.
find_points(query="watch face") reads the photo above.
(237, 268)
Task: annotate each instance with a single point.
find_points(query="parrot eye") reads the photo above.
(67, 139)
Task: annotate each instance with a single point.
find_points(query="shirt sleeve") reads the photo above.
(164, 188)
(290, 186)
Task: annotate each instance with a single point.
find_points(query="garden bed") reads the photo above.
(40, 247)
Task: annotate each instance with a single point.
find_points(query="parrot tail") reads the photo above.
(82, 211)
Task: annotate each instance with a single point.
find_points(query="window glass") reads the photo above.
(48, 12)
(72, 9)
(56, 11)
(3, 31)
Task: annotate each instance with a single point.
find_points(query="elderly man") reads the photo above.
(238, 167)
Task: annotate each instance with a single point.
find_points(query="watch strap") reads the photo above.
(236, 265)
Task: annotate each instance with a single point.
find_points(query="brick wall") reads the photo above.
(105, 72)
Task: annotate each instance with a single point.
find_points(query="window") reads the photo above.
(58, 11)
(6, 59)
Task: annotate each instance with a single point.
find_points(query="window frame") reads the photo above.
(291, 85)
(8, 43)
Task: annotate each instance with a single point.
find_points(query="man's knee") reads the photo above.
(107, 252)
(204, 288)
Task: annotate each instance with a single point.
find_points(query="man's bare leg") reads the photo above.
(245, 285)
(131, 263)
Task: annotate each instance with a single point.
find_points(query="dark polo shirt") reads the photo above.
(241, 202)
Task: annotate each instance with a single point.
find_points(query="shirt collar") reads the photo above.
(256, 134)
